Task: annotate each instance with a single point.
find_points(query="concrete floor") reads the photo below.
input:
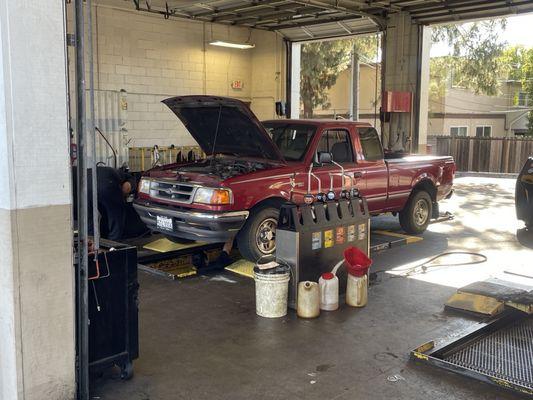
(200, 337)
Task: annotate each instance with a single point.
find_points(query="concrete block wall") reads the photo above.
(153, 58)
(268, 73)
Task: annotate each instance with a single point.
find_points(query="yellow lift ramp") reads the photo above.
(380, 240)
(160, 256)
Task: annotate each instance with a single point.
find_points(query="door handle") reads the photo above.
(357, 175)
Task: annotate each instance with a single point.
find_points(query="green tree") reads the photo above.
(440, 77)
(518, 62)
(475, 62)
(321, 64)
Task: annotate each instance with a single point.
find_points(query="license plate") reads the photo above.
(164, 223)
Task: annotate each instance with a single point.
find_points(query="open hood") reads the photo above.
(223, 125)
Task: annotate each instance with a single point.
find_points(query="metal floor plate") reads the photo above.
(505, 354)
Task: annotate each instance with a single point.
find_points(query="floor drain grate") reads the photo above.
(505, 354)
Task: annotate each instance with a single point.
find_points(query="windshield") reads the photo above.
(291, 139)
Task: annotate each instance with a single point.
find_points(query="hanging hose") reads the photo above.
(424, 267)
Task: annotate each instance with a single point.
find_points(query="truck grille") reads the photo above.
(172, 191)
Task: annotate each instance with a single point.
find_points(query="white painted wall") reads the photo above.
(424, 89)
(9, 376)
(6, 179)
(295, 80)
(31, 108)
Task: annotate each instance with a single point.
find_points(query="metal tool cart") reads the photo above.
(311, 239)
(113, 308)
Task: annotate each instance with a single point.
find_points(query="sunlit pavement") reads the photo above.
(485, 222)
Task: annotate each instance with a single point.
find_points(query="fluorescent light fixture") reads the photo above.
(223, 43)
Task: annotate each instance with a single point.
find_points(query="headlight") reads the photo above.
(144, 186)
(212, 196)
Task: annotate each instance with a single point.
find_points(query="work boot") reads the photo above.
(221, 262)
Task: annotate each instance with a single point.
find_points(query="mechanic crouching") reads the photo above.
(118, 219)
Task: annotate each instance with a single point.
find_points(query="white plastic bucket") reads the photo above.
(271, 292)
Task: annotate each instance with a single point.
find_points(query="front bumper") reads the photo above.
(212, 227)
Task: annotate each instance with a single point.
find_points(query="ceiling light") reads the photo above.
(233, 45)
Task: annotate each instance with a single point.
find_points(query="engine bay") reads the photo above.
(224, 168)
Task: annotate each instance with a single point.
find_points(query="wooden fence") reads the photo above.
(502, 155)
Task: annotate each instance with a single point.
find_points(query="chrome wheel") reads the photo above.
(265, 237)
(421, 212)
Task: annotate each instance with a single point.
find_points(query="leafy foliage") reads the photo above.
(321, 64)
(476, 51)
(440, 78)
(518, 62)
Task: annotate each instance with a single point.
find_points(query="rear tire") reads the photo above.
(415, 216)
(257, 238)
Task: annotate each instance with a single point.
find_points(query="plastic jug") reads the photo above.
(308, 300)
(357, 265)
(329, 291)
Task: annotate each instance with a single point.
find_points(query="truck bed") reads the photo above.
(417, 159)
(438, 169)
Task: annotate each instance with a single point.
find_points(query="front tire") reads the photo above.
(257, 238)
(415, 216)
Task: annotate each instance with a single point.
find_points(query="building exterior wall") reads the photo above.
(441, 126)
(153, 59)
(339, 96)
(37, 346)
(462, 107)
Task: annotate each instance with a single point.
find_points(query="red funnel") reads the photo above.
(357, 263)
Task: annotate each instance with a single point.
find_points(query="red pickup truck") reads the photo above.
(252, 168)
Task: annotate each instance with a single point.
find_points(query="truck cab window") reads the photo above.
(370, 143)
(291, 139)
(338, 143)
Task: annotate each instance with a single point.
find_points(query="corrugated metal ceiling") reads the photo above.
(314, 19)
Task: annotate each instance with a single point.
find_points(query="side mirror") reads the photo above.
(324, 157)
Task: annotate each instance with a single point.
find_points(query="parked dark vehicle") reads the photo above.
(524, 194)
(252, 169)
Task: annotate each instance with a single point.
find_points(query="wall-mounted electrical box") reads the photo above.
(396, 102)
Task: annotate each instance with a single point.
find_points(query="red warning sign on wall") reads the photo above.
(236, 84)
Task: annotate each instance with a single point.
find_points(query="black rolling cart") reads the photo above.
(113, 308)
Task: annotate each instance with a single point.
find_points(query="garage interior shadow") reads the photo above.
(201, 339)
